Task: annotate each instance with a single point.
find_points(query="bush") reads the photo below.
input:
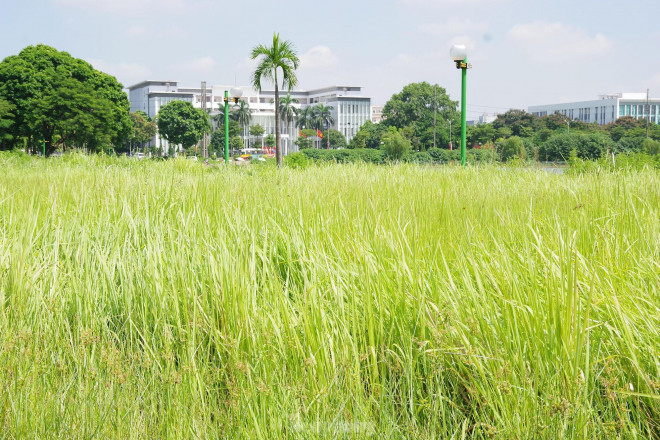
(297, 160)
(396, 146)
(587, 146)
(650, 146)
(419, 157)
(365, 155)
(628, 145)
(512, 147)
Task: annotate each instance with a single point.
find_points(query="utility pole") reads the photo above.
(205, 138)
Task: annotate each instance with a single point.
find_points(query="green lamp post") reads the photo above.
(458, 54)
(236, 94)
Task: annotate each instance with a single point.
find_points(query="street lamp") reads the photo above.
(458, 54)
(236, 94)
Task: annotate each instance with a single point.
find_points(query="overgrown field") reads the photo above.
(145, 299)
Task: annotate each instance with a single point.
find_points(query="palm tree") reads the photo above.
(280, 56)
(323, 117)
(288, 111)
(243, 115)
(304, 117)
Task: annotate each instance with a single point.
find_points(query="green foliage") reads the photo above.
(369, 136)
(395, 145)
(651, 146)
(303, 142)
(143, 128)
(182, 124)
(586, 145)
(270, 141)
(629, 145)
(519, 122)
(365, 155)
(512, 147)
(62, 100)
(256, 130)
(414, 107)
(418, 157)
(297, 161)
(236, 143)
(217, 142)
(6, 121)
(624, 127)
(337, 139)
(481, 134)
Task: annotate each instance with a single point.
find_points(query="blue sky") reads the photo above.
(523, 52)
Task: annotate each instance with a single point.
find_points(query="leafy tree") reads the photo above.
(626, 126)
(236, 143)
(62, 100)
(281, 56)
(512, 147)
(6, 121)
(217, 142)
(182, 124)
(396, 146)
(143, 128)
(651, 146)
(586, 145)
(303, 142)
(368, 136)
(270, 141)
(415, 107)
(481, 134)
(336, 139)
(520, 122)
(256, 130)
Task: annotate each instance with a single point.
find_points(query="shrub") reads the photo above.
(297, 160)
(586, 145)
(628, 145)
(650, 146)
(420, 157)
(395, 145)
(512, 147)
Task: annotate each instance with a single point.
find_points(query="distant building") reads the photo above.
(350, 108)
(606, 109)
(482, 119)
(376, 113)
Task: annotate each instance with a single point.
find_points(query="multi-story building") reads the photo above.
(606, 109)
(350, 109)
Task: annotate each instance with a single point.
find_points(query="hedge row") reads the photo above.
(369, 155)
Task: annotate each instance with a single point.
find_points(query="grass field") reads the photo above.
(145, 299)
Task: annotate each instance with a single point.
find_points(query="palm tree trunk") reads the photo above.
(278, 138)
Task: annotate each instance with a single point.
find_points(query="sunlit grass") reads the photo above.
(145, 299)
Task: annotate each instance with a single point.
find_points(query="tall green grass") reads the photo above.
(174, 300)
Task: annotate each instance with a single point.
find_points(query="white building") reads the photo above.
(606, 109)
(350, 109)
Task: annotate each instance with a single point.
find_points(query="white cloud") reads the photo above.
(201, 64)
(557, 42)
(318, 57)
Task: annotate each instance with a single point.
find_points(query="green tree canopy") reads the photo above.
(62, 100)
(182, 124)
(396, 146)
(520, 122)
(6, 121)
(256, 130)
(415, 107)
(337, 139)
(143, 128)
